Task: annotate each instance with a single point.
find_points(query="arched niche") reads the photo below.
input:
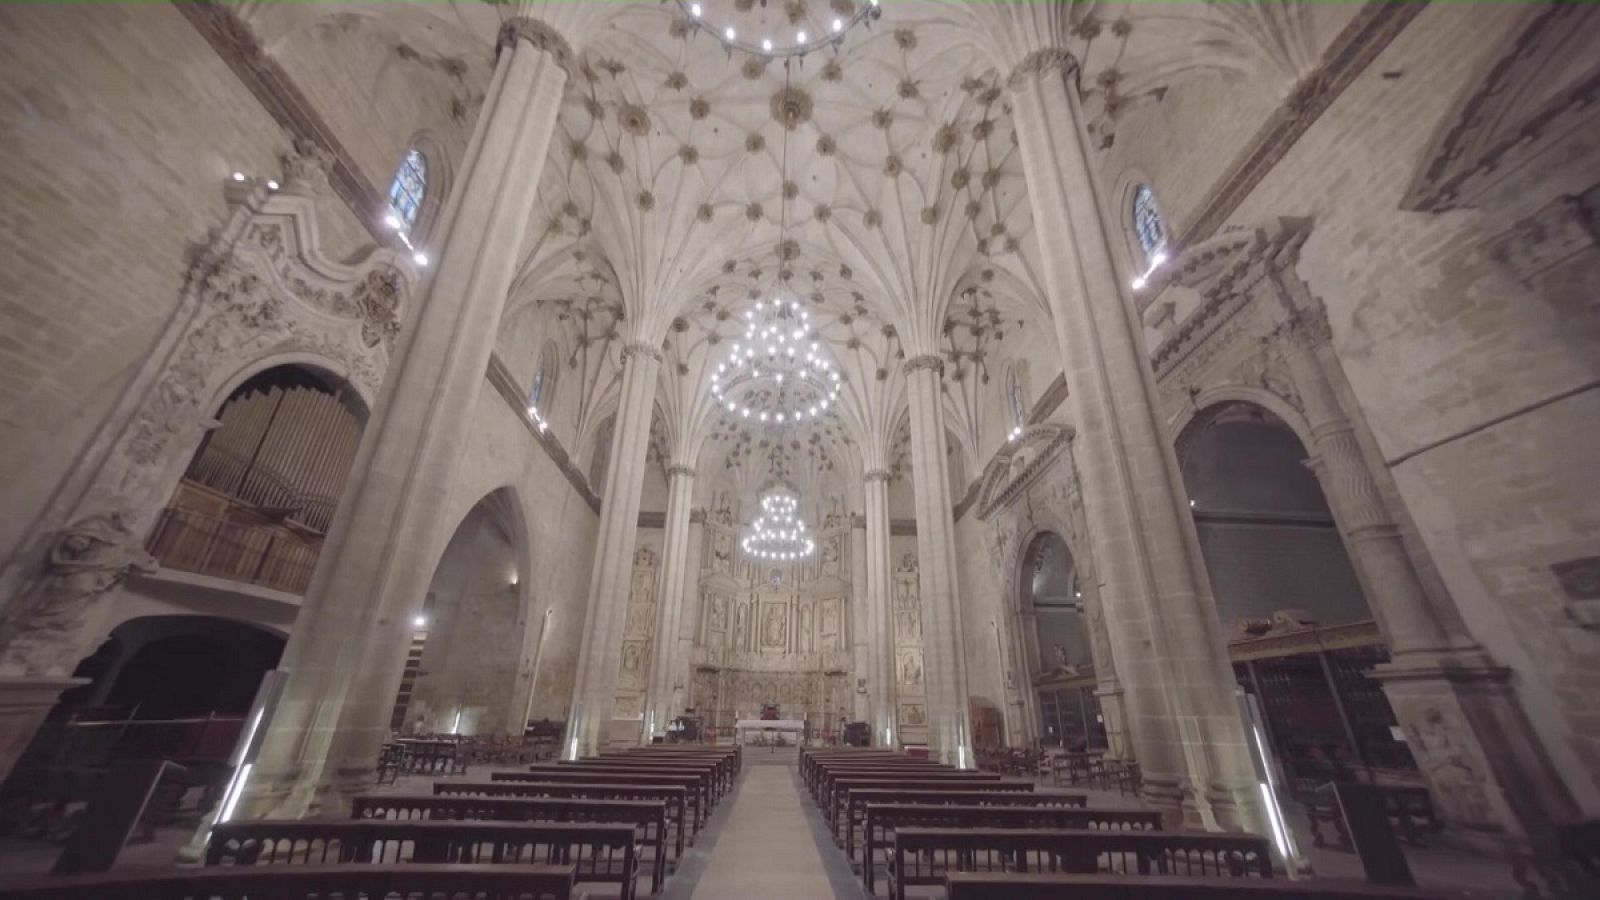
(1267, 536)
(174, 667)
(261, 486)
(469, 669)
(1048, 589)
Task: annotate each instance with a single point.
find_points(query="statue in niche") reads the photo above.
(723, 514)
(908, 564)
(773, 626)
(905, 593)
(830, 554)
(722, 552)
(741, 625)
(906, 625)
(1456, 783)
(913, 714)
(637, 623)
(911, 668)
(830, 617)
(644, 556)
(91, 556)
(633, 658)
(719, 613)
(807, 633)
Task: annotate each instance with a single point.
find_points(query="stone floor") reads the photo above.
(766, 839)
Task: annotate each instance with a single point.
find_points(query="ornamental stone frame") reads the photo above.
(1233, 320)
(260, 293)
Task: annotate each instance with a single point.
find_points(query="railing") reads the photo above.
(90, 745)
(254, 554)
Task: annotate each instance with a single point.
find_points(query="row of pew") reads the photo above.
(908, 823)
(539, 834)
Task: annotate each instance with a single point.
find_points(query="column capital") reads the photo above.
(677, 469)
(877, 475)
(1054, 61)
(540, 34)
(697, 516)
(925, 361)
(641, 348)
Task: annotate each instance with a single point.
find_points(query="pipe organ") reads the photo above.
(283, 450)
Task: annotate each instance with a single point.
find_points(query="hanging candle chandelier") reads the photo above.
(779, 534)
(776, 374)
(787, 29)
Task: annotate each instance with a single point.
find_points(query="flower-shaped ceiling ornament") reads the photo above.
(779, 534)
(771, 28)
(777, 373)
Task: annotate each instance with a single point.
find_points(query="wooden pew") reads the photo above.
(811, 767)
(836, 797)
(703, 780)
(693, 785)
(729, 757)
(649, 816)
(926, 855)
(675, 798)
(1054, 886)
(598, 853)
(883, 819)
(717, 783)
(856, 818)
(485, 882)
(824, 775)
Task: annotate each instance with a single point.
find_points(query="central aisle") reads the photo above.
(765, 848)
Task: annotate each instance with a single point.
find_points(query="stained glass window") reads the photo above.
(1019, 414)
(1147, 222)
(410, 184)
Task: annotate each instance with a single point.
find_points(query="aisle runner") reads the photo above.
(765, 848)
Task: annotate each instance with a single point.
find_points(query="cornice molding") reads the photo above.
(697, 516)
(656, 519)
(511, 392)
(1049, 401)
(902, 527)
(1371, 31)
(267, 81)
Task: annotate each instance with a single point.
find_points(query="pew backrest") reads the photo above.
(1054, 886)
(499, 882)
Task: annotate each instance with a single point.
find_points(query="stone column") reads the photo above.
(860, 634)
(1490, 777)
(352, 634)
(594, 691)
(669, 599)
(880, 597)
(945, 668)
(689, 623)
(1179, 687)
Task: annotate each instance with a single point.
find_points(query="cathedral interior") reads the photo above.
(1177, 413)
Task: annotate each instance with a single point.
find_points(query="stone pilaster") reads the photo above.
(880, 650)
(1491, 779)
(349, 643)
(594, 692)
(949, 731)
(860, 637)
(689, 622)
(669, 607)
(1178, 686)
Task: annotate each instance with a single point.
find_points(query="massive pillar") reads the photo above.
(880, 594)
(346, 654)
(1489, 775)
(949, 732)
(1178, 686)
(670, 600)
(682, 672)
(594, 692)
(861, 658)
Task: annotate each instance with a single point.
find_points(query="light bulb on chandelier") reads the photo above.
(829, 33)
(778, 534)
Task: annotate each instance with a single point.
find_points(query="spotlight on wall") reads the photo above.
(420, 259)
(514, 579)
(272, 184)
(238, 176)
(420, 622)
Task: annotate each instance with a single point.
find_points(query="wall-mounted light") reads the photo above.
(272, 184)
(238, 176)
(420, 622)
(514, 579)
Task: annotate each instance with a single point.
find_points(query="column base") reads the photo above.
(1490, 779)
(24, 702)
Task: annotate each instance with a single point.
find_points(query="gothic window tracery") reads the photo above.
(410, 185)
(1148, 223)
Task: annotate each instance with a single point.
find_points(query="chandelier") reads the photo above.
(779, 533)
(799, 32)
(775, 374)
